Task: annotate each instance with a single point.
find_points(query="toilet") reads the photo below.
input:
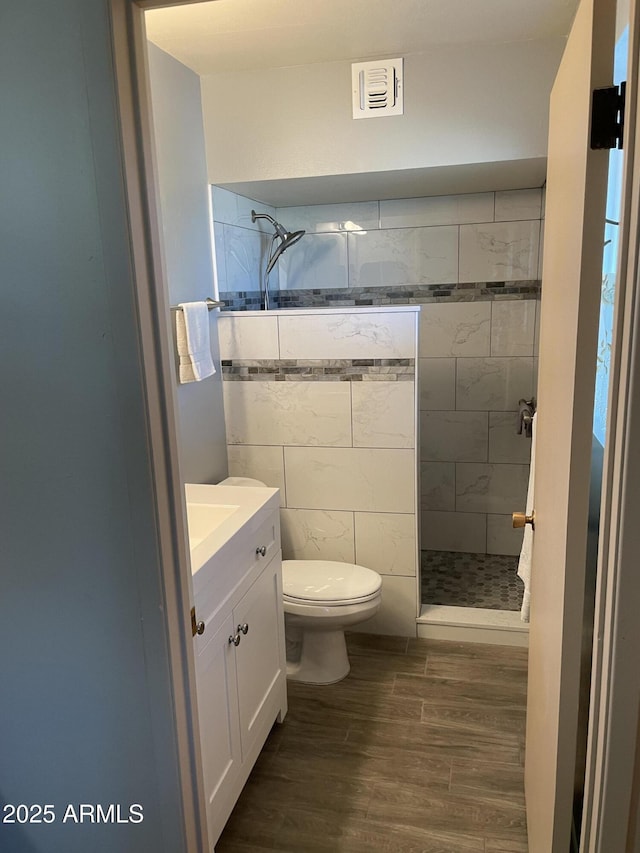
(321, 598)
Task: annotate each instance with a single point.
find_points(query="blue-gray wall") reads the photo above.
(81, 631)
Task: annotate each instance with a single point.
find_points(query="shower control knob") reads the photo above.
(519, 519)
(235, 640)
(261, 550)
(244, 628)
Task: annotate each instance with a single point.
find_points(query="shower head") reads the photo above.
(287, 238)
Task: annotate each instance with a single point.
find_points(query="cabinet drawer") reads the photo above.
(230, 573)
(265, 541)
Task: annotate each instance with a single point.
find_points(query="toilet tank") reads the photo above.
(241, 481)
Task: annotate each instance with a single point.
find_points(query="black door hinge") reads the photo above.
(607, 117)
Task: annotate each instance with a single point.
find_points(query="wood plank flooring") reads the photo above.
(418, 750)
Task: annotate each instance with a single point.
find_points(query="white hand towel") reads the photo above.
(193, 345)
(524, 564)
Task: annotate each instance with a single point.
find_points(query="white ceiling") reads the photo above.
(233, 35)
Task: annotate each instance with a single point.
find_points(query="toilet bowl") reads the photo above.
(321, 599)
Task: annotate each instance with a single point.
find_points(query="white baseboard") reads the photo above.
(472, 625)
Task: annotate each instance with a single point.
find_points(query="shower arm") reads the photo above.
(280, 230)
(255, 216)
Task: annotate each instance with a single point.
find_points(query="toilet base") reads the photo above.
(323, 658)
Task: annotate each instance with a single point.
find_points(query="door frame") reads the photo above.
(153, 313)
(613, 757)
(613, 770)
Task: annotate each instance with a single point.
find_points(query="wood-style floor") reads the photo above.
(418, 750)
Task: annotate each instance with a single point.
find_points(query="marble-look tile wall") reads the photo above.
(486, 237)
(476, 361)
(241, 246)
(491, 237)
(477, 343)
(340, 445)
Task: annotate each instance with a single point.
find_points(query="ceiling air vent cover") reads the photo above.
(377, 88)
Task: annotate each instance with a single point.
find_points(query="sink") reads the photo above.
(219, 519)
(204, 518)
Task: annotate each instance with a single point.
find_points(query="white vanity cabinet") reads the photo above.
(260, 663)
(219, 729)
(240, 657)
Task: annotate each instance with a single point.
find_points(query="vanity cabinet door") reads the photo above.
(260, 659)
(219, 726)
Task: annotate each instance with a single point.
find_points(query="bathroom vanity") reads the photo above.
(234, 538)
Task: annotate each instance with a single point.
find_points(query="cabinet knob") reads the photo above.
(196, 627)
(261, 550)
(244, 628)
(235, 640)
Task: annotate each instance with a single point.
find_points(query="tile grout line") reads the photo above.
(284, 478)
(351, 426)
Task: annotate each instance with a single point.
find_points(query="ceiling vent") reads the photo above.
(377, 88)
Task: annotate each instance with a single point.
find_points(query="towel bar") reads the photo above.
(211, 304)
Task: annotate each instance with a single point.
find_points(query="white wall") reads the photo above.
(463, 104)
(182, 180)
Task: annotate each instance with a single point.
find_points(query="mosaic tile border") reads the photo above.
(319, 370)
(405, 294)
(246, 300)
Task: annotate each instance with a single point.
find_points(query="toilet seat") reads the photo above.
(328, 583)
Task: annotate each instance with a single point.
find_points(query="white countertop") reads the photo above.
(245, 503)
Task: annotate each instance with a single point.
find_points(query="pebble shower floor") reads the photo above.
(471, 580)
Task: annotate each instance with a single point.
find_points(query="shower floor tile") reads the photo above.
(471, 580)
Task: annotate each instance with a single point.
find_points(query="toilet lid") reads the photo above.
(327, 582)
